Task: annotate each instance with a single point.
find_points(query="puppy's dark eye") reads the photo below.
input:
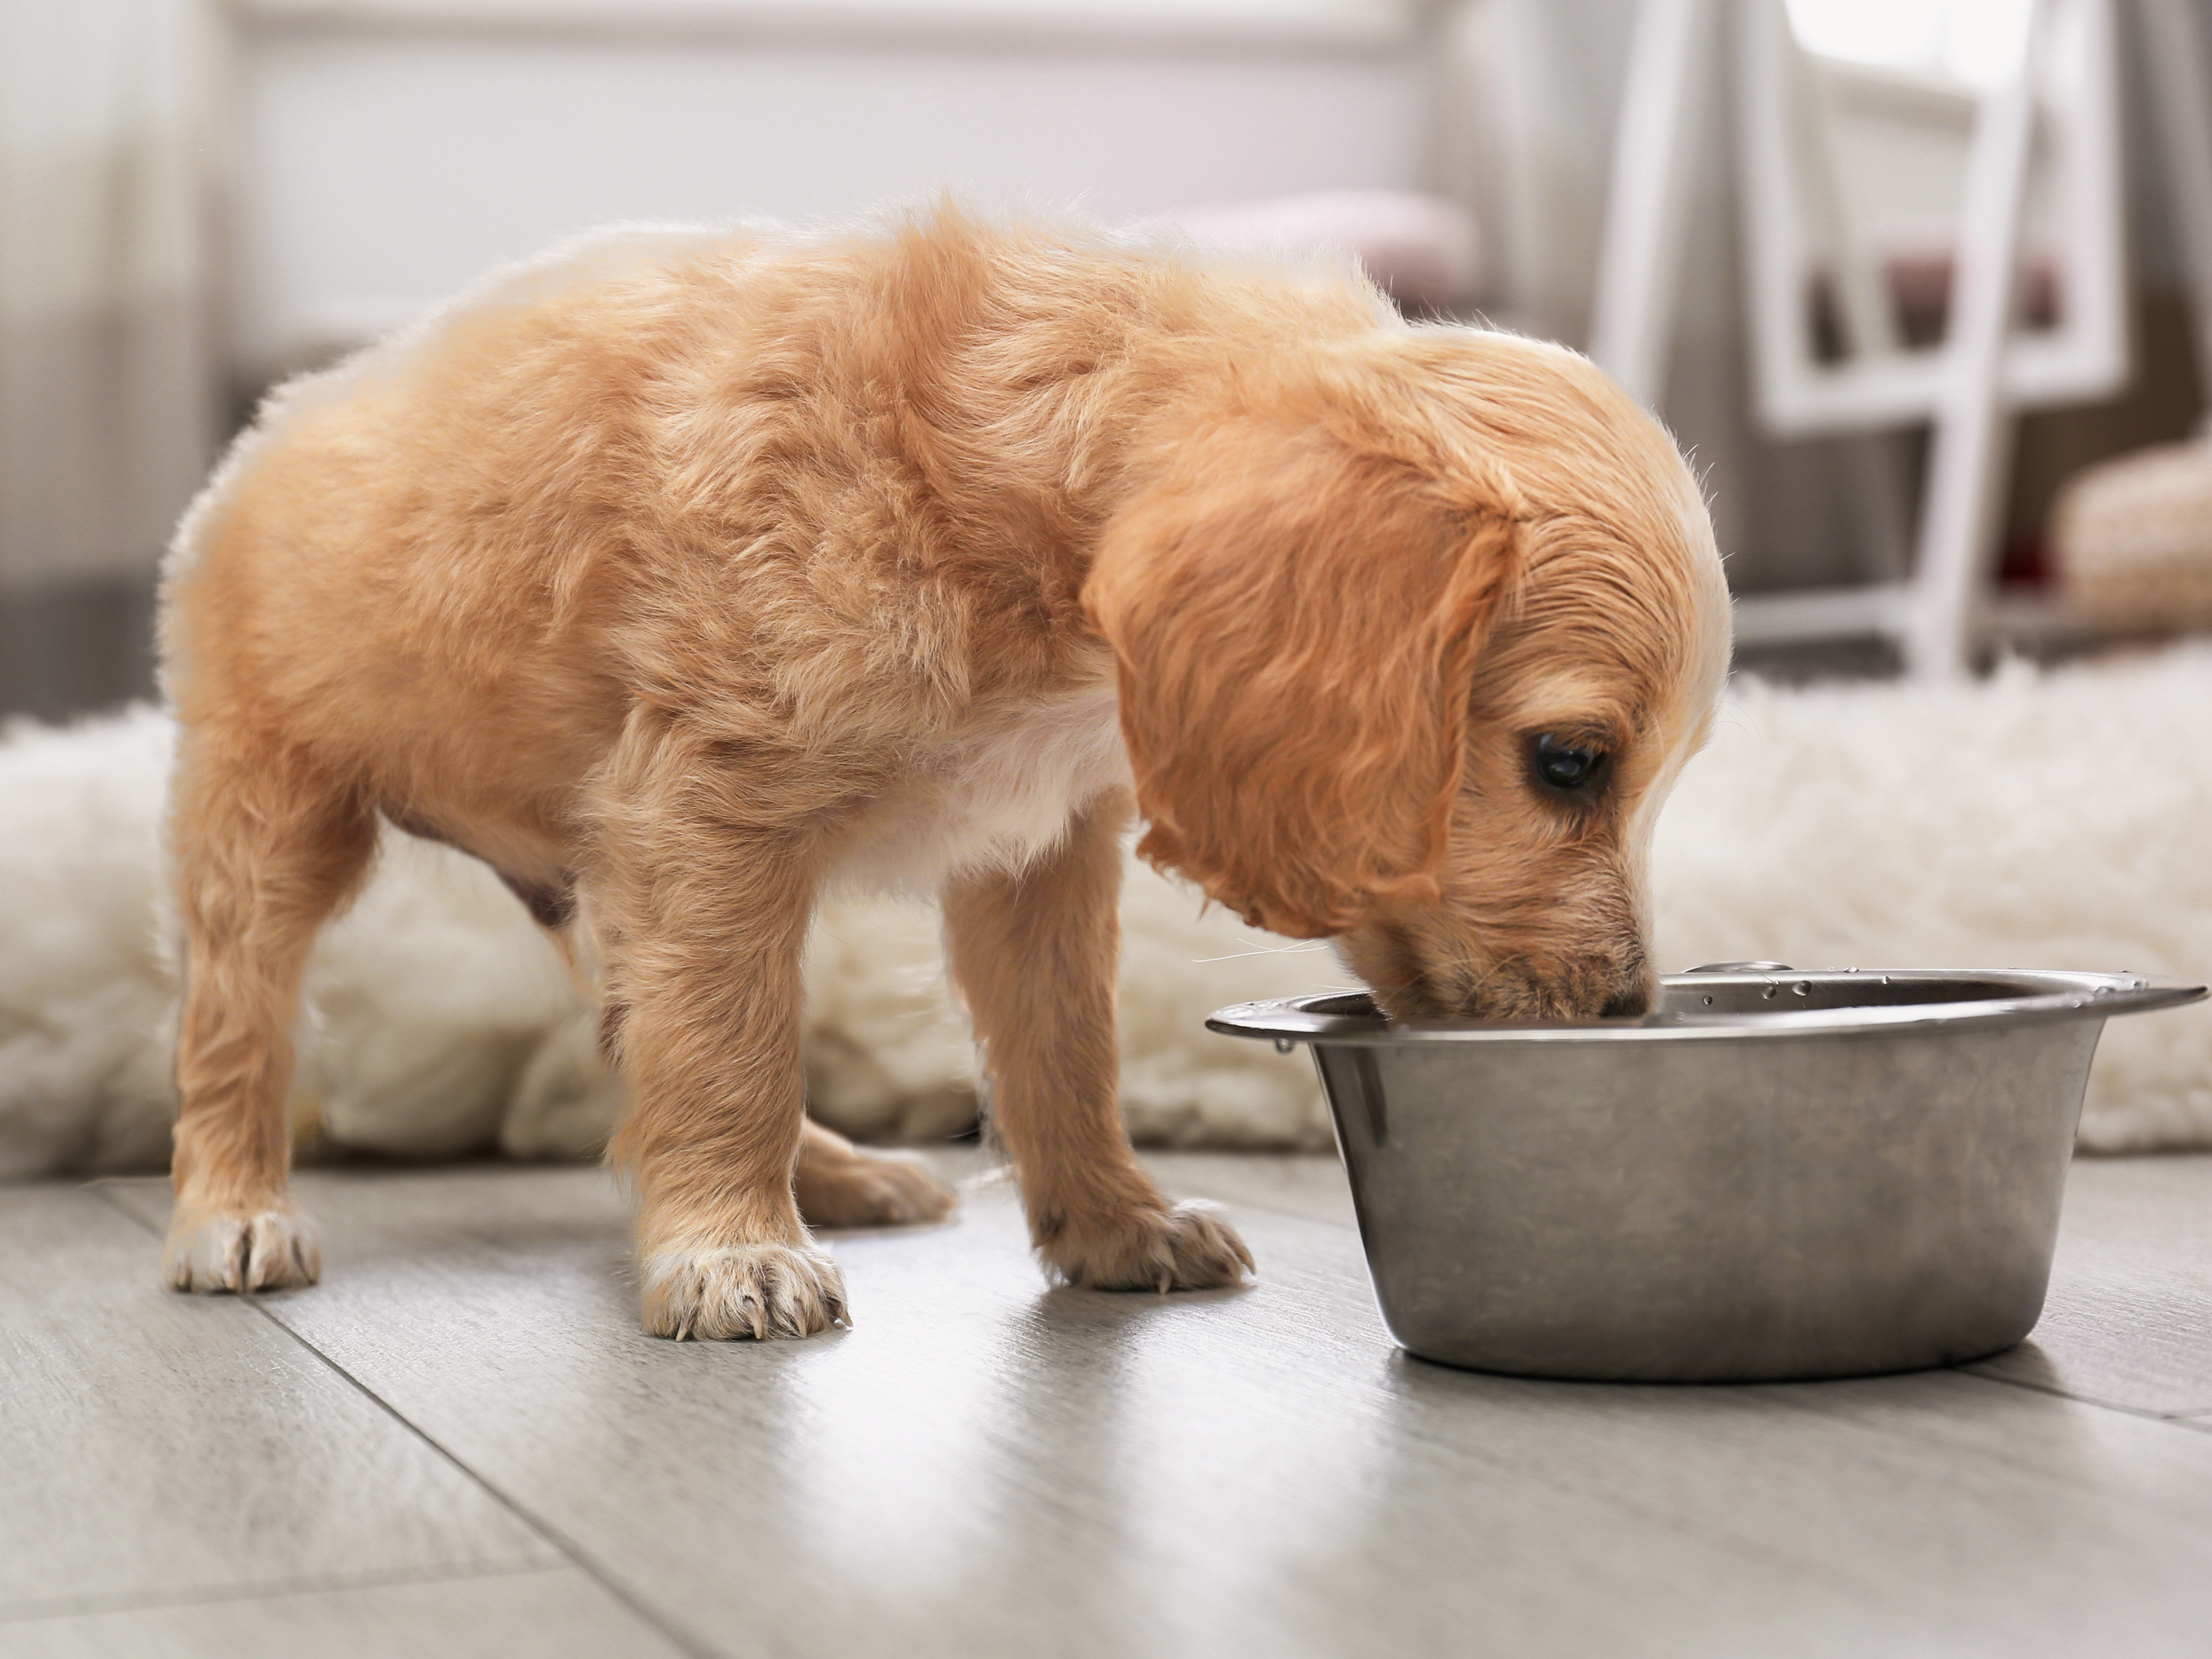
(1567, 767)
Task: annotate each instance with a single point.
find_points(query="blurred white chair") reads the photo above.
(2053, 121)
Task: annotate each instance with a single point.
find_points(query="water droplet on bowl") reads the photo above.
(2102, 991)
(1804, 987)
(1709, 1002)
(1283, 1045)
(1769, 992)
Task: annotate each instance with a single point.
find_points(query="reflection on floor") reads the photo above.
(460, 1444)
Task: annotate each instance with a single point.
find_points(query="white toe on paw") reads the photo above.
(1186, 1248)
(872, 1192)
(757, 1290)
(225, 1250)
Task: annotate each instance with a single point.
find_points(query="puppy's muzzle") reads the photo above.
(1582, 989)
(1630, 1003)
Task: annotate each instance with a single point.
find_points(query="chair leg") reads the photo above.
(1647, 208)
(1959, 521)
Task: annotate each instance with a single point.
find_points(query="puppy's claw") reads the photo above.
(761, 1292)
(221, 1250)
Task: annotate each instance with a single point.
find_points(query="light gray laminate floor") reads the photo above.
(459, 1443)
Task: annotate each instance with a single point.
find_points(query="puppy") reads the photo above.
(679, 574)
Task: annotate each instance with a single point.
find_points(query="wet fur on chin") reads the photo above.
(678, 576)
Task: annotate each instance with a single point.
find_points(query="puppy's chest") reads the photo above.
(994, 793)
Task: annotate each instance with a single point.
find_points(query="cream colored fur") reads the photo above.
(687, 579)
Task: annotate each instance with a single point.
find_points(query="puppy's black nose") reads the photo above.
(1627, 1005)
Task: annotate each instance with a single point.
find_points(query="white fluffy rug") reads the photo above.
(2062, 819)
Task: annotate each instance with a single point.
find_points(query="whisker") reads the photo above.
(1264, 950)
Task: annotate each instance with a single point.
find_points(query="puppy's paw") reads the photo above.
(241, 1252)
(759, 1291)
(866, 1191)
(1186, 1248)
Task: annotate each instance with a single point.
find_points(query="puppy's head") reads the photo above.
(1414, 633)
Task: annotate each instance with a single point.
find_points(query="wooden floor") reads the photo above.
(460, 1444)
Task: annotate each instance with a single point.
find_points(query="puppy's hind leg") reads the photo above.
(1034, 953)
(267, 846)
(838, 1185)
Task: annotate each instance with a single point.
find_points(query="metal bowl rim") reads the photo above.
(2047, 995)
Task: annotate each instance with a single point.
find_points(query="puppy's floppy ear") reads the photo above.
(1296, 619)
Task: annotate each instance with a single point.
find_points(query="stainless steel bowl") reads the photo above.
(1775, 1174)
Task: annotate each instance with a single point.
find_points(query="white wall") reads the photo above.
(383, 164)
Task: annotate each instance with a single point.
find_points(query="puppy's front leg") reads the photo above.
(702, 924)
(1034, 954)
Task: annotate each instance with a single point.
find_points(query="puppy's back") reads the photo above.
(769, 479)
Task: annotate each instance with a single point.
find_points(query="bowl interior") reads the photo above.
(1780, 994)
(1709, 1005)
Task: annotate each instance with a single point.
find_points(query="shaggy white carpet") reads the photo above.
(2059, 820)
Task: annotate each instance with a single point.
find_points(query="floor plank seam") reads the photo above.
(1241, 1202)
(569, 1551)
(103, 1188)
(2180, 1419)
(24, 1613)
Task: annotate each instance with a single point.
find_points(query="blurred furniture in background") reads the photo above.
(370, 156)
(1832, 312)
(2131, 539)
(1803, 243)
(108, 364)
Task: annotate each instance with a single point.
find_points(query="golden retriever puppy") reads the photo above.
(681, 573)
